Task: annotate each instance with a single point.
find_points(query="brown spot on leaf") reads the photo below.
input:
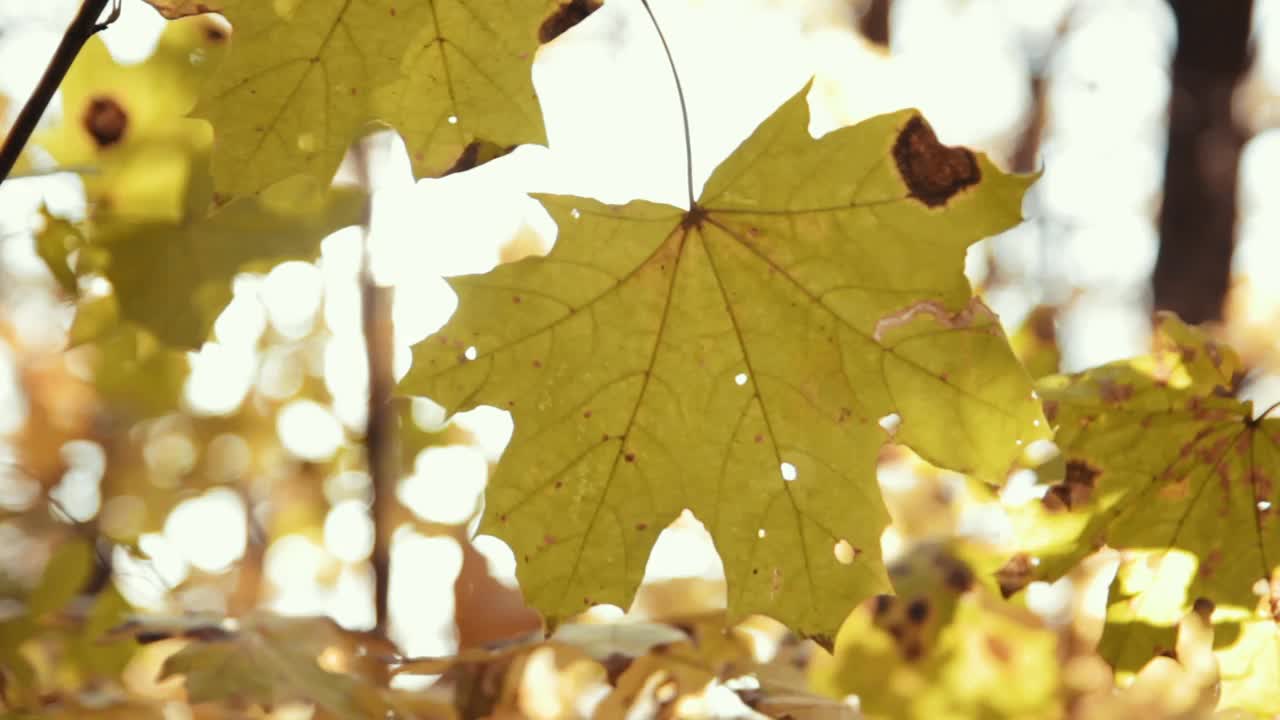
(1015, 575)
(959, 578)
(1203, 607)
(565, 17)
(975, 312)
(477, 152)
(883, 603)
(1050, 410)
(912, 651)
(1114, 392)
(214, 31)
(932, 171)
(105, 121)
(642, 526)
(999, 649)
(1211, 563)
(629, 457)
(1075, 489)
(918, 610)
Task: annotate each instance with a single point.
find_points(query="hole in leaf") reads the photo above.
(891, 422)
(844, 552)
(470, 353)
(740, 379)
(788, 471)
(761, 533)
(575, 214)
(1264, 505)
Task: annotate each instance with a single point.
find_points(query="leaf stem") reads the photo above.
(84, 26)
(684, 107)
(1268, 411)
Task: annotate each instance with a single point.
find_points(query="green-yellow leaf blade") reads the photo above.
(174, 279)
(736, 360)
(305, 79)
(1162, 462)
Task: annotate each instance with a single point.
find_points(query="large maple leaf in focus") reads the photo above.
(736, 359)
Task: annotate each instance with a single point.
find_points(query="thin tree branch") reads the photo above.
(84, 26)
(380, 424)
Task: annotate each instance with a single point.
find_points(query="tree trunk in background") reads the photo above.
(1198, 216)
(874, 23)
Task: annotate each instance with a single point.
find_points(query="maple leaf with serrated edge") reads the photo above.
(305, 79)
(1161, 461)
(735, 360)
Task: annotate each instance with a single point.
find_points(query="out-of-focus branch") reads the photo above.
(874, 21)
(84, 26)
(380, 427)
(1198, 215)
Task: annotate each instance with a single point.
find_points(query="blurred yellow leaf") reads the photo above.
(1162, 461)
(303, 80)
(270, 659)
(943, 647)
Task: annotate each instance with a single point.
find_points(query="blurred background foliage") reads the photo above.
(148, 493)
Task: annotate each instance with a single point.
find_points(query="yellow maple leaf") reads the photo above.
(736, 359)
(305, 79)
(1162, 462)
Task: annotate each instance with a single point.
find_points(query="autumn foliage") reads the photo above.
(759, 359)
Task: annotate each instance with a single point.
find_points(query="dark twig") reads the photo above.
(684, 108)
(380, 425)
(84, 26)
